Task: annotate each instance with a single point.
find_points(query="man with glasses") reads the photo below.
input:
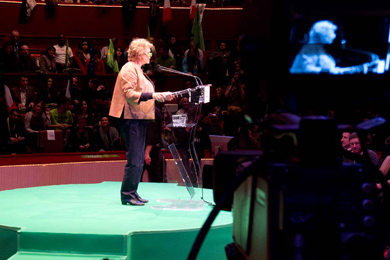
(358, 153)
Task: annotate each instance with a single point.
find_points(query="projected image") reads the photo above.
(325, 48)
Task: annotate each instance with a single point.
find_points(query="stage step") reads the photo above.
(26, 255)
(77, 243)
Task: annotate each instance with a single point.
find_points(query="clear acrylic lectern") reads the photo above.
(183, 151)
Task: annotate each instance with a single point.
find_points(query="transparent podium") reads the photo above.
(183, 123)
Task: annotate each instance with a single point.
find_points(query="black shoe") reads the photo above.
(141, 199)
(133, 202)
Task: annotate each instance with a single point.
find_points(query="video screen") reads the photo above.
(339, 44)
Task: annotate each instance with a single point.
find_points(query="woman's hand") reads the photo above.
(163, 96)
(158, 96)
(168, 95)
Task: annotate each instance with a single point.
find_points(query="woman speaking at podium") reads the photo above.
(133, 103)
(314, 58)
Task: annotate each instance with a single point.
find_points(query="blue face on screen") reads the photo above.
(315, 56)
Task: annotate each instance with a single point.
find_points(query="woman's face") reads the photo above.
(90, 84)
(38, 108)
(328, 35)
(119, 52)
(85, 46)
(84, 105)
(144, 57)
(50, 83)
(51, 52)
(104, 121)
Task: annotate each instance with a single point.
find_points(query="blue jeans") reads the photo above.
(134, 134)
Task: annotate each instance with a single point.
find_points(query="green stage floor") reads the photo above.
(87, 221)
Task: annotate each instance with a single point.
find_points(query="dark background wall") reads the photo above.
(102, 22)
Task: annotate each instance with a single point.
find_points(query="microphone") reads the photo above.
(205, 90)
(165, 69)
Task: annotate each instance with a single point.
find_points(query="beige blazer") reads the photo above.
(130, 83)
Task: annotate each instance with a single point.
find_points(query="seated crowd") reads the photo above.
(218, 66)
(83, 119)
(86, 126)
(82, 113)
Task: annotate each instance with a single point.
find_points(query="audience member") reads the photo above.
(83, 52)
(119, 57)
(47, 62)
(345, 141)
(60, 53)
(16, 43)
(104, 50)
(23, 95)
(95, 91)
(49, 94)
(235, 92)
(198, 51)
(184, 106)
(153, 49)
(219, 66)
(8, 58)
(385, 151)
(83, 111)
(256, 135)
(235, 95)
(99, 108)
(26, 63)
(16, 134)
(249, 136)
(384, 160)
(217, 100)
(101, 93)
(77, 91)
(164, 59)
(106, 137)
(35, 121)
(359, 155)
(98, 66)
(61, 117)
(80, 137)
(86, 93)
(193, 62)
(175, 52)
(212, 124)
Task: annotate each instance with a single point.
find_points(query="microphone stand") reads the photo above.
(165, 69)
(192, 149)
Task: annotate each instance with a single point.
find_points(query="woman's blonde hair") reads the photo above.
(137, 48)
